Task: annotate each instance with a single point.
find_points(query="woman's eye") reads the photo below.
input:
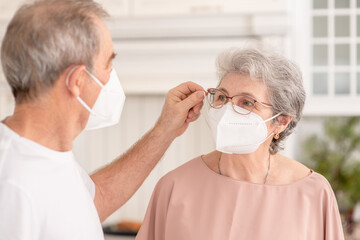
(248, 103)
(222, 97)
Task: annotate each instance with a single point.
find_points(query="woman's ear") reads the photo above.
(75, 77)
(282, 122)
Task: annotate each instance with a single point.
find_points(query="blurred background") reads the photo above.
(162, 43)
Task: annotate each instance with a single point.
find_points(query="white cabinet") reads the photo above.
(156, 8)
(163, 8)
(175, 7)
(186, 7)
(155, 66)
(255, 6)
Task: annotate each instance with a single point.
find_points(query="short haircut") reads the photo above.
(43, 39)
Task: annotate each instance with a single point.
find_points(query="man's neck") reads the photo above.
(41, 125)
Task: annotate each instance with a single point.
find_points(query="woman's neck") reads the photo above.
(251, 167)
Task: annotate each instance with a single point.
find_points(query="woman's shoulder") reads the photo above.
(287, 170)
(297, 172)
(184, 173)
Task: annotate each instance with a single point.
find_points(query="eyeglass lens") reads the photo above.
(241, 104)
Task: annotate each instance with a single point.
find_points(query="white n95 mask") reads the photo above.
(235, 133)
(109, 104)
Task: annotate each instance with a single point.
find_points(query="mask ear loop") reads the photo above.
(67, 77)
(271, 134)
(95, 79)
(78, 98)
(275, 116)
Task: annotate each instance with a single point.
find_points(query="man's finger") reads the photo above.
(194, 118)
(191, 114)
(198, 107)
(187, 88)
(192, 100)
(195, 110)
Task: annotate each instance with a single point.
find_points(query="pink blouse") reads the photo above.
(193, 202)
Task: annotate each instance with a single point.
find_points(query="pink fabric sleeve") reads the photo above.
(333, 226)
(153, 226)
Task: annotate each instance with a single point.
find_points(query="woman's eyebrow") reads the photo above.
(249, 94)
(243, 93)
(224, 90)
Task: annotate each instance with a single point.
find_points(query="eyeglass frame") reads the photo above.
(268, 105)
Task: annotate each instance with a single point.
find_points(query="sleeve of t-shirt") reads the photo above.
(16, 214)
(88, 182)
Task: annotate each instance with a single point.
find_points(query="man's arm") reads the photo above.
(118, 181)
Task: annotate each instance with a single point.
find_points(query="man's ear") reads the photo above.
(75, 76)
(282, 122)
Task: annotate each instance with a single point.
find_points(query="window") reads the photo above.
(334, 69)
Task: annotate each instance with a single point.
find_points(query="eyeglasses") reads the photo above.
(241, 103)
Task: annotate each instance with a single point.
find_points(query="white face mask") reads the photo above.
(109, 104)
(235, 133)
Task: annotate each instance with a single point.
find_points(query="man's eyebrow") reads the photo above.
(113, 55)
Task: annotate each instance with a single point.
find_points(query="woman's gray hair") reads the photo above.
(44, 38)
(281, 76)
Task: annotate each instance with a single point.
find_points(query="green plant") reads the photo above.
(336, 156)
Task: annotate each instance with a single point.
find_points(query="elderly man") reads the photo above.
(57, 57)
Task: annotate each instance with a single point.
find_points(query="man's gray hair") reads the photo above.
(281, 76)
(44, 38)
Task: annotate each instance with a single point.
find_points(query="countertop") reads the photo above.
(114, 237)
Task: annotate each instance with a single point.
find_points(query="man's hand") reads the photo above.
(182, 106)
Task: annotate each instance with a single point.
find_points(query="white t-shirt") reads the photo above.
(44, 194)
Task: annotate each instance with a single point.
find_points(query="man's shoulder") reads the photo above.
(6, 137)
(22, 164)
(10, 156)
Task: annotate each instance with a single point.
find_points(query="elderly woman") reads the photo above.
(245, 190)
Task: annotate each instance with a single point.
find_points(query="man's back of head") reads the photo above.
(46, 37)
